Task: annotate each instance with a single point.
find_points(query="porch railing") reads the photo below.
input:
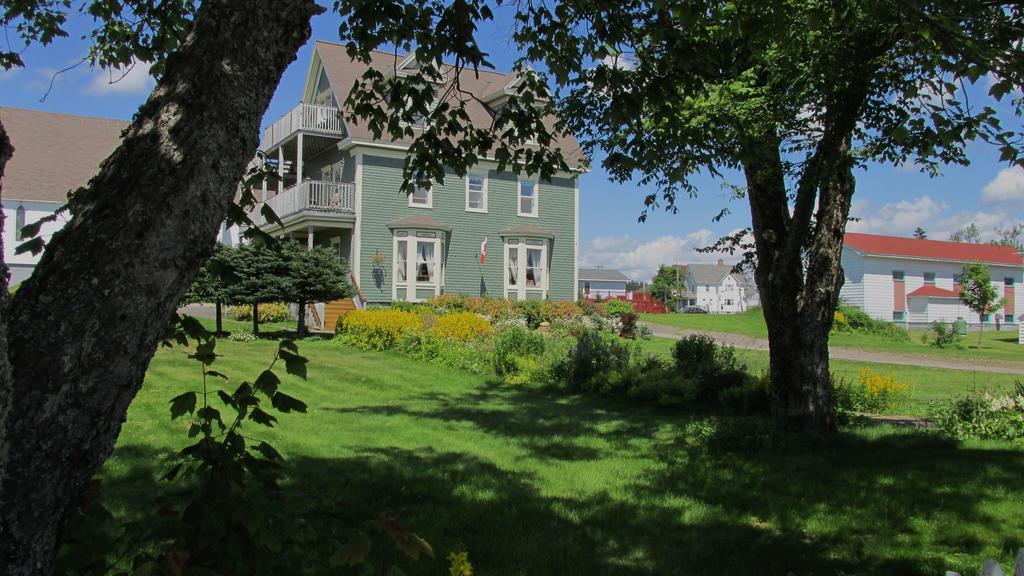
(308, 117)
(309, 195)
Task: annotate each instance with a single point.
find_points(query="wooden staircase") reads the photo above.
(335, 310)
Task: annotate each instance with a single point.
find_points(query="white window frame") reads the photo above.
(469, 208)
(411, 285)
(522, 244)
(430, 198)
(536, 199)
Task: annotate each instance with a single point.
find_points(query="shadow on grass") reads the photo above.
(717, 495)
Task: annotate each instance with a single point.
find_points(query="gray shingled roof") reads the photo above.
(709, 273)
(343, 72)
(602, 275)
(527, 230)
(54, 153)
(419, 222)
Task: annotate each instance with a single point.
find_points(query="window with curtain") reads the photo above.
(424, 261)
(513, 265)
(420, 197)
(476, 198)
(533, 267)
(402, 261)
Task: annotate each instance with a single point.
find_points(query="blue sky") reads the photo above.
(889, 200)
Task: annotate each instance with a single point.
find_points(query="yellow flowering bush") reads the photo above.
(458, 564)
(269, 312)
(378, 329)
(871, 393)
(462, 326)
(839, 320)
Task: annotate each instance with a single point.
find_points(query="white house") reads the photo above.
(53, 155)
(601, 282)
(916, 282)
(716, 288)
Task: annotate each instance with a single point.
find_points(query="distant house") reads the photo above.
(53, 154)
(914, 281)
(602, 283)
(715, 288)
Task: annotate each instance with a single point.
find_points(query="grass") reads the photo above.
(926, 384)
(539, 482)
(999, 346)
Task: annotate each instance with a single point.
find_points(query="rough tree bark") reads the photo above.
(798, 253)
(84, 327)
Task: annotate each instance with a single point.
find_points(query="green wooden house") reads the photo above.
(339, 187)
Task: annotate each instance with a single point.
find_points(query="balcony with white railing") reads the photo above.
(311, 118)
(314, 197)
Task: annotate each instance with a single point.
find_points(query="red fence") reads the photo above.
(642, 302)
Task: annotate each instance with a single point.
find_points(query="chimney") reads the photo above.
(721, 262)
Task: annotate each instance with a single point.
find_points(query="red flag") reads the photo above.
(483, 250)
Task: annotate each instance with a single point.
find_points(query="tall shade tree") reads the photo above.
(978, 293)
(794, 95)
(80, 332)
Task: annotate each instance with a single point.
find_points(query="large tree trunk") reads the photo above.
(84, 327)
(219, 317)
(301, 329)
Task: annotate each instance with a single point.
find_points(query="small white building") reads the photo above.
(601, 283)
(716, 288)
(916, 282)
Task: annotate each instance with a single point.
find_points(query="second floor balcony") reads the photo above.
(312, 197)
(309, 118)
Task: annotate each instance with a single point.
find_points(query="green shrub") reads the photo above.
(512, 345)
(377, 329)
(597, 362)
(531, 311)
(995, 416)
(242, 336)
(469, 356)
(712, 368)
(644, 332)
(941, 335)
(848, 319)
(269, 312)
(617, 307)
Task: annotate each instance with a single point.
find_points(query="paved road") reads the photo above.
(857, 354)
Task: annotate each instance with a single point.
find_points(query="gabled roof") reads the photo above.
(898, 246)
(709, 273)
(933, 291)
(54, 153)
(602, 275)
(342, 72)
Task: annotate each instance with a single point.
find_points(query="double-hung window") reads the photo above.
(929, 277)
(422, 198)
(528, 198)
(476, 193)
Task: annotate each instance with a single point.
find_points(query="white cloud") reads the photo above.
(640, 259)
(132, 80)
(896, 217)
(1007, 186)
(901, 218)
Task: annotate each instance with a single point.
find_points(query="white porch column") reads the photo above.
(309, 237)
(298, 160)
(280, 169)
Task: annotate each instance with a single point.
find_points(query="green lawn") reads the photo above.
(926, 384)
(538, 482)
(995, 345)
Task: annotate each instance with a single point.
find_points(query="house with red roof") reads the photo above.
(916, 282)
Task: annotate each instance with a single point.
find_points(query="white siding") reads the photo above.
(875, 287)
(21, 265)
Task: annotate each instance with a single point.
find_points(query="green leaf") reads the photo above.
(182, 404)
(287, 344)
(260, 417)
(414, 546)
(269, 452)
(227, 399)
(216, 374)
(267, 382)
(35, 246)
(294, 364)
(352, 552)
(172, 473)
(204, 352)
(286, 403)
